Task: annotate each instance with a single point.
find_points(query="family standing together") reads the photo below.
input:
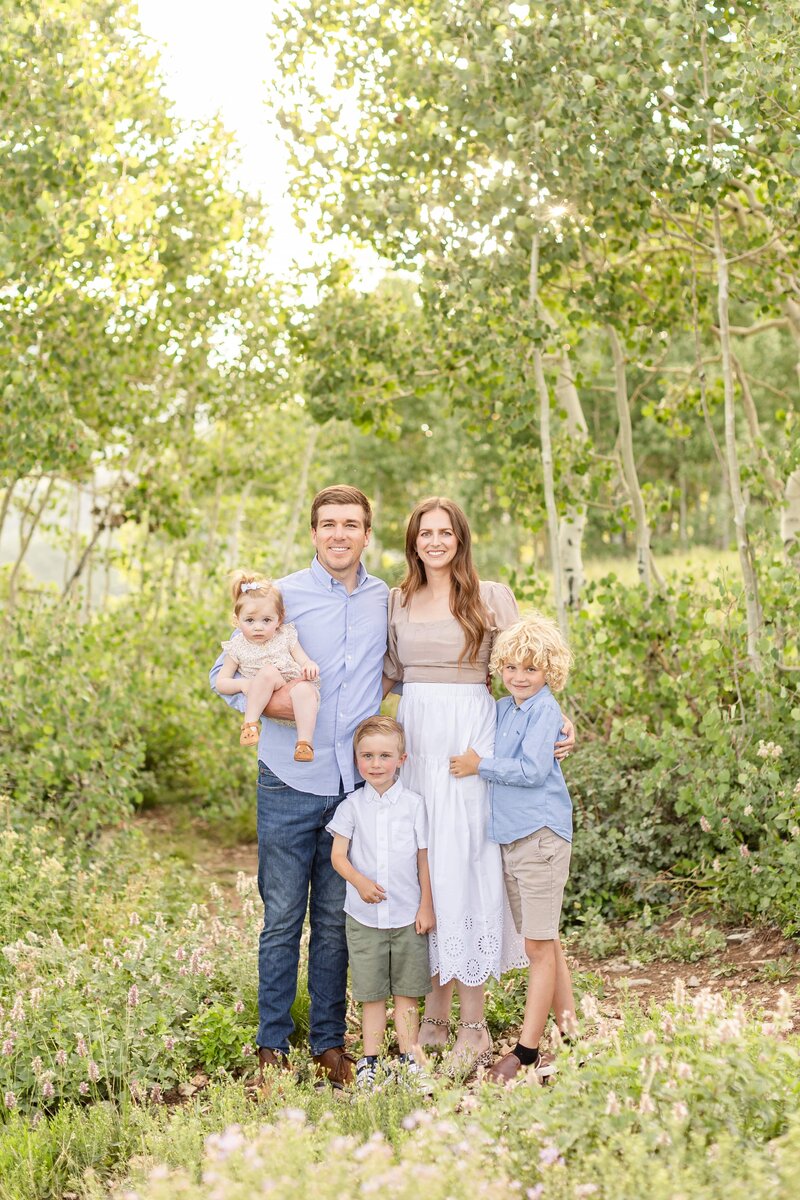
(436, 851)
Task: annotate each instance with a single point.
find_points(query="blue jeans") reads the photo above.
(294, 856)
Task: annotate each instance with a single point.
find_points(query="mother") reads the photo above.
(442, 623)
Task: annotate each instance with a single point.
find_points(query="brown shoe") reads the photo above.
(303, 752)
(335, 1065)
(271, 1058)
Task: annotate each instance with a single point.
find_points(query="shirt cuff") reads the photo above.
(486, 769)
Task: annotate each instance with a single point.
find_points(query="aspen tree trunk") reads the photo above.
(644, 563)
(236, 526)
(547, 450)
(752, 604)
(572, 524)
(8, 493)
(26, 533)
(790, 518)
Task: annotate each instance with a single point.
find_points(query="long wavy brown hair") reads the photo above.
(465, 596)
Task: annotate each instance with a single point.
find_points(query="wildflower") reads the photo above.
(238, 1007)
(133, 996)
(35, 996)
(589, 1007)
(156, 1095)
(663, 1139)
(93, 1071)
(116, 962)
(755, 869)
(10, 1100)
(549, 1154)
(169, 1043)
(8, 1046)
(18, 1012)
(705, 824)
(61, 1058)
(744, 851)
(133, 919)
(769, 750)
(409, 1122)
(646, 1104)
(748, 810)
(83, 1088)
(37, 1065)
(795, 831)
(585, 1189)
(668, 1025)
(180, 954)
(726, 822)
(683, 1071)
(48, 1091)
(534, 1193)
(247, 1050)
(221, 1145)
(715, 866)
(679, 1111)
(82, 1049)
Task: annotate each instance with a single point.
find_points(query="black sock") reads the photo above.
(371, 1059)
(527, 1056)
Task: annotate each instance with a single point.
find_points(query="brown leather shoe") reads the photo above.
(335, 1065)
(271, 1058)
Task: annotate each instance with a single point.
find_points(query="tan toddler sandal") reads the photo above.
(249, 734)
(303, 752)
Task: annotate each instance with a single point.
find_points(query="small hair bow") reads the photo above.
(250, 587)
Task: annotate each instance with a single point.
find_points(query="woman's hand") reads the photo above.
(566, 744)
(465, 764)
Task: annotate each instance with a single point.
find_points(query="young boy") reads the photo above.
(380, 839)
(531, 817)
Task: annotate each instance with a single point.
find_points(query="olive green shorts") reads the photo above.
(387, 962)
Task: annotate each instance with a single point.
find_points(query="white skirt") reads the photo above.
(475, 935)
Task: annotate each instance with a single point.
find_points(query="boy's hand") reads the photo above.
(567, 744)
(311, 670)
(371, 892)
(465, 764)
(426, 919)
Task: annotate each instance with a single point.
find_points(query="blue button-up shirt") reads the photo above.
(345, 633)
(527, 789)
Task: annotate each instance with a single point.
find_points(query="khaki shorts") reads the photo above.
(535, 869)
(387, 962)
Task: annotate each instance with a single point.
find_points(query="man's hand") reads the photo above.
(370, 892)
(426, 919)
(465, 764)
(566, 745)
(311, 670)
(280, 704)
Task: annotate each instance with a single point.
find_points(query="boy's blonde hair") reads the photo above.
(536, 641)
(379, 724)
(246, 585)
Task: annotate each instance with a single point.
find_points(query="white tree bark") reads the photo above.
(573, 523)
(752, 604)
(299, 505)
(790, 518)
(631, 475)
(547, 451)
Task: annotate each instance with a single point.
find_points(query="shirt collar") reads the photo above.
(392, 794)
(327, 580)
(528, 704)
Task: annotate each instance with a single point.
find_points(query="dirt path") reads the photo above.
(754, 965)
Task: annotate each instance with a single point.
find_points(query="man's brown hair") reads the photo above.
(341, 493)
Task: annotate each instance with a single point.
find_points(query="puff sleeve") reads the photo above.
(501, 606)
(392, 667)
(229, 648)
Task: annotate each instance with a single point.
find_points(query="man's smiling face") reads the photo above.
(340, 537)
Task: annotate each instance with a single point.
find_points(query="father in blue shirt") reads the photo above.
(340, 614)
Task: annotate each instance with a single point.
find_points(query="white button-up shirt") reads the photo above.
(385, 832)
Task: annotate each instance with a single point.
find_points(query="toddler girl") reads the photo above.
(267, 655)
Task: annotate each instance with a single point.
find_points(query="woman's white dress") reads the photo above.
(444, 710)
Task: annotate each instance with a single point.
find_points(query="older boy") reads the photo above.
(531, 818)
(380, 838)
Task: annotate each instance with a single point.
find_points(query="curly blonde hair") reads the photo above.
(536, 641)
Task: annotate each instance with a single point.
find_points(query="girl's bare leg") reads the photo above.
(406, 1023)
(259, 693)
(373, 1025)
(305, 703)
(437, 1008)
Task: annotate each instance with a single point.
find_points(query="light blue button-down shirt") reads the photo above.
(345, 633)
(527, 789)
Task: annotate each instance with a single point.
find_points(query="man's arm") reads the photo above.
(279, 707)
(369, 891)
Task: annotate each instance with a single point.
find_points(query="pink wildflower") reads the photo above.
(10, 1100)
(705, 824)
(133, 996)
(93, 1071)
(744, 851)
(82, 1049)
(83, 1088)
(48, 1091)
